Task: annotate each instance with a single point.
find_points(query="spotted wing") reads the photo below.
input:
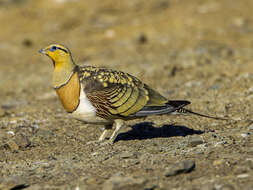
(114, 94)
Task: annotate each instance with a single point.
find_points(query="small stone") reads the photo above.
(27, 42)
(81, 187)
(94, 153)
(163, 4)
(4, 124)
(227, 187)
(125, 155)
(110, 33)
(218, 162)
(195, 141)
(10, 133)
(91, 181)
(244, 135)
(13, 121)
(250, 127)
(250, 90)
(22, 141)
(12, 145)
(142, 39)
(13, 104)
(180, 167)
(243, 175)
(124, 183)
(191, 84)
(19, 141)
(239, 21)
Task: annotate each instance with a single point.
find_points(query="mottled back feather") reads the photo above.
(120, 95)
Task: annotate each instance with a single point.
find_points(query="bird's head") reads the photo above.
(58, 53)
(63, 64)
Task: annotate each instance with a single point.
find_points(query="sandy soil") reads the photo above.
(186, 49)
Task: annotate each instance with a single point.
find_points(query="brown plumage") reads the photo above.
(103, 96)
(69, 93)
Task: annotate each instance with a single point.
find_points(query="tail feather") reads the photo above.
(183, 110)
(176, 106)
(170, 106)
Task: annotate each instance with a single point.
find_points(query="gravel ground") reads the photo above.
(196, 50)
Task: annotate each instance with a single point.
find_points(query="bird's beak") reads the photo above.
(43, 51)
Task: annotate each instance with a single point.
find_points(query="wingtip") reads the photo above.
(178, 103)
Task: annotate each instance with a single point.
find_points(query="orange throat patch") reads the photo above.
(69, 93)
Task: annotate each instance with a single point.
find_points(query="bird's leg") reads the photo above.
(105, 132)
(119, 123)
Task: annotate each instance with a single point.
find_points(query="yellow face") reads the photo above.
(58, 53)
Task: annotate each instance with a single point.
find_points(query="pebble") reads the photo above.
(142, 39)
(227, 187)
(110, 33)
(250, 127)
(180, 167)
(195, 141)
(10, 133)
(12, 145)
(193, 84)
(91, 181)
(218, 162)
(124, 182)
(243, 175)
(13, 104)
(239, 21)
(4, 124)
(125, 155)
(94, 153)
(20, 141)
(27, 42)
(250, 90)
(244, 135)
(13, 121)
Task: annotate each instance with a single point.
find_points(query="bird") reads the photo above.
(102, 96)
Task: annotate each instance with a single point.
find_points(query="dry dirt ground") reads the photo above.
(197, 50)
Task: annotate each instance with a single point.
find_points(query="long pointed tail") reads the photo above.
(183, 110)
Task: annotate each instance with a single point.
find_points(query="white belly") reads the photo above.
(86, 112)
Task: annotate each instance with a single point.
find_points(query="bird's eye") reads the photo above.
(53, 48)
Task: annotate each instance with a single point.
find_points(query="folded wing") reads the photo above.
(116, 94)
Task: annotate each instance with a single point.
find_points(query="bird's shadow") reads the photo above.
(146, 130)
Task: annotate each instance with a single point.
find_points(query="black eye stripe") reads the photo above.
(62, 49)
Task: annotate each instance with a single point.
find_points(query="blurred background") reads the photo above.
(156, 40)
(199, 50)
